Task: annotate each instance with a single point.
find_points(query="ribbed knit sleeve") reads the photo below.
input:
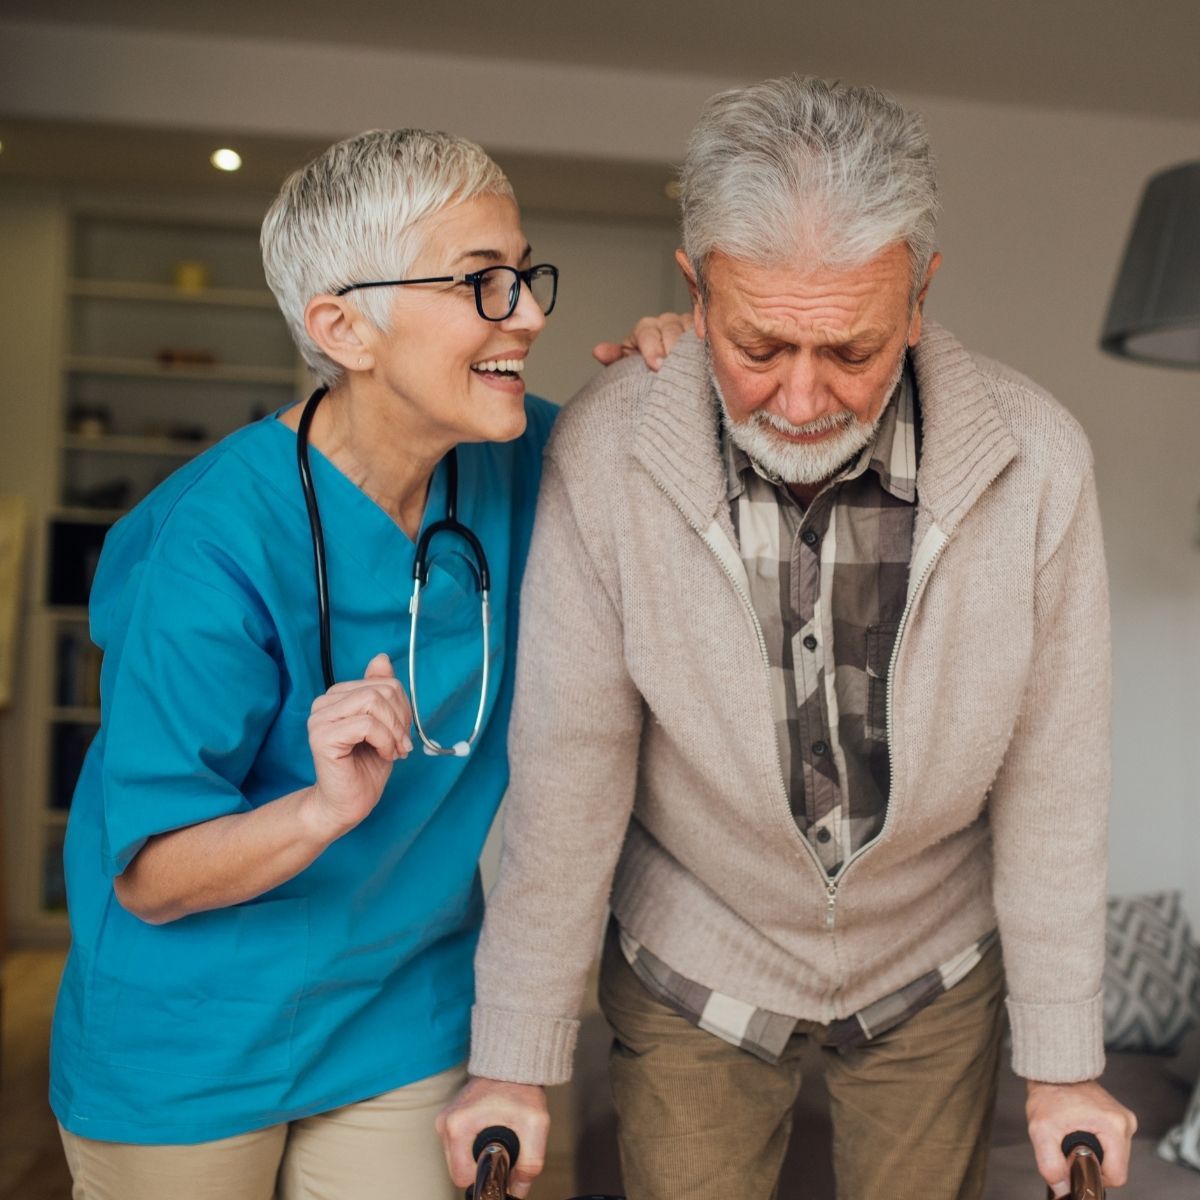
(573, 745)
(1049, 811)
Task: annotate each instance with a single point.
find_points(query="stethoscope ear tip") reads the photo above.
(461, 749)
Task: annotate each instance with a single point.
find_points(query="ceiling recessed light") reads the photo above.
(226, 160)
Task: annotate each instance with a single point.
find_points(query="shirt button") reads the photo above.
(810, 642)
(809, 537)
(823, 834)
(820, 747)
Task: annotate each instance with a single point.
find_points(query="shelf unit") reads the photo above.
(151, 374)
(136, 368)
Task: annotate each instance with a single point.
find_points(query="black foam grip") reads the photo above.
(501, 1134)
(1080, 1138)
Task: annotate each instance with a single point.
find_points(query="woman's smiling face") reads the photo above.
(457, 374)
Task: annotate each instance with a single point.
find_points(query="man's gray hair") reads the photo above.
(797, 170)
(353, 214)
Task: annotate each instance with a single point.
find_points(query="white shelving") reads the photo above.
(216, 372)
(78, 714)
(85, 516)
(165, 293)
(151, 374)
(134, 444)
(67, 613)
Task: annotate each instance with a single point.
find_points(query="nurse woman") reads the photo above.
(271, 864)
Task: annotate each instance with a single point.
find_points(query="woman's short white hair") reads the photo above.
(798, 170)
(353, 214)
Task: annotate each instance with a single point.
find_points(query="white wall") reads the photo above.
(612, 272)
(1037, 208)
(1037, 205)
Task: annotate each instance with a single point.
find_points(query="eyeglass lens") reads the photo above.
(499, 289)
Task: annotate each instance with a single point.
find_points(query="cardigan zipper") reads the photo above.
(831, 885)
(766, 662)
(912, 601)
(830, 888)
(830, 904)
(910, 604)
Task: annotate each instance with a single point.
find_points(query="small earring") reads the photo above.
(362, 362)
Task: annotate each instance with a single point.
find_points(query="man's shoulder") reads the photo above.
(1047, 436)
(599, 426)
(1041, 424)
(610, 399)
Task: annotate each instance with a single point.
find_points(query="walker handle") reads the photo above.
(1082, 1138)
(495, 1151)
(1084, 1154)
(505, 1137)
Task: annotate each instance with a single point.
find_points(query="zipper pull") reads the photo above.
(831, 892)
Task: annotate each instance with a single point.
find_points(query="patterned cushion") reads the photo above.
(1151, 974)
(1182, 1144)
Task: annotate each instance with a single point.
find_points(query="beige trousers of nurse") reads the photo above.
(911, 1110)
(379, 1149)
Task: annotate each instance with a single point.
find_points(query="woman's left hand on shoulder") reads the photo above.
(652, 338)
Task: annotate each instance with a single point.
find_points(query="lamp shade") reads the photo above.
(1154, 315)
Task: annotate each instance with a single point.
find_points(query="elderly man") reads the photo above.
(813, 690)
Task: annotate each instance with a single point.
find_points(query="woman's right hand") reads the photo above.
(356, 731)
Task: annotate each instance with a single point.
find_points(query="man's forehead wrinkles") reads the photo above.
(823, 333)
(844, 307)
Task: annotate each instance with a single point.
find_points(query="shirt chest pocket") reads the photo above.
(881, 641)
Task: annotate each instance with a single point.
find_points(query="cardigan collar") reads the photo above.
(964, 442)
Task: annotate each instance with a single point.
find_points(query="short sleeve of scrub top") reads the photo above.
(192, 696)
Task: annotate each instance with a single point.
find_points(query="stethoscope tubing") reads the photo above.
(449, 524)
(317, 530)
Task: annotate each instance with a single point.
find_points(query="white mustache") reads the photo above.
(830, 421)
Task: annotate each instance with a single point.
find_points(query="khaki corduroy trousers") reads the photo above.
(911, 1110)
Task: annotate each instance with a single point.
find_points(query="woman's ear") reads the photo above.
(340, 331)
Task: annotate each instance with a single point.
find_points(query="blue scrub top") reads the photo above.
(355, 976)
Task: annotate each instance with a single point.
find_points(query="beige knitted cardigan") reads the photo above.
(645, 770)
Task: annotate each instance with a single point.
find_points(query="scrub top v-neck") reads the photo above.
(354, 977)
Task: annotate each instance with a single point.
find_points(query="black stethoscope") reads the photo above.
(449, 524)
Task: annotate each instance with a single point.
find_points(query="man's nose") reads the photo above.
(803, 395)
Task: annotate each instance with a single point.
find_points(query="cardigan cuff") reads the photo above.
(521, 1047)
(1058, 1043)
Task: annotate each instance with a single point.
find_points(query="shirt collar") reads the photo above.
(891, 453)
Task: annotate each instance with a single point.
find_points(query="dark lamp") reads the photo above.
(1154, 315)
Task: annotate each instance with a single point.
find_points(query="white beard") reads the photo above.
(803, 463)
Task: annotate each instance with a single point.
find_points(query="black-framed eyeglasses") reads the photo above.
(497, 289)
